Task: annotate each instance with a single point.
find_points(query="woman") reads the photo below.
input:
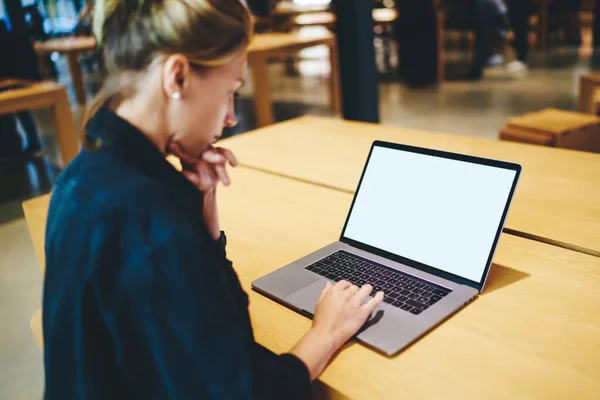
(140, 301)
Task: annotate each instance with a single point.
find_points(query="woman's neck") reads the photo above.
(143, 114)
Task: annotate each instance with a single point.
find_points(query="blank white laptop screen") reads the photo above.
(437, 211)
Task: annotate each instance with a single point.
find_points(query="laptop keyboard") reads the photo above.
(401, 290)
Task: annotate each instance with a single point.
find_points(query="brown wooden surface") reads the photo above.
(588, 86)
(532, 334)
(71, 47)
(271, 45)
(36, 328)
(557, 199)
(556, 128)
(554, 121)
(46, 95)
(71, 44)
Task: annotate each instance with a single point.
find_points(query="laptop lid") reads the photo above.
(439, 212)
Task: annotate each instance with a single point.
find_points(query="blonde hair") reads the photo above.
(135, 34)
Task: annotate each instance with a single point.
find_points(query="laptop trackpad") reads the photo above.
(307, 297)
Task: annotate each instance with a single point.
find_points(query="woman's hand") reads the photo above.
(205, 173)
(341, 312)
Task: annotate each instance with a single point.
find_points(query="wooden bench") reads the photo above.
(555, 128)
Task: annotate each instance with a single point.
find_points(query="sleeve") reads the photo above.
(183, 334)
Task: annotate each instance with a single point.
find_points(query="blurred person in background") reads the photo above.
(520, 12)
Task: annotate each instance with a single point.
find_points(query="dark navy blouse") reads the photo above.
(140, 302)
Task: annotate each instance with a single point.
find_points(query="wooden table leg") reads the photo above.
(543, 25)
(335, 100)
(76, 78)
(262, 94)
(586, 95)
(66, 132)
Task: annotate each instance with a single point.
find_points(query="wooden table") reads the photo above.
(534, 332)
(267, 46)
(51, 95)
(384, 17)
(557, 199)
(71, 47)
(588, 87)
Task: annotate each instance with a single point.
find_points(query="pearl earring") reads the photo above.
(176, 96)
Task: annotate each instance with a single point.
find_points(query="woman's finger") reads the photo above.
(325, 290)
(342, 285)
(222, 174)
(228, 154)
(362, 294)
(213, 157)
(208, 178)
(370, 305)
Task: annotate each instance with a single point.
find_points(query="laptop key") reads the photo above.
(415, 311)
(401, 298)
(406, 307)
(417, 304)
(435, 298)
(404, 292)
(423, 300)
(440, 292)
(419, 285)
(397, 303)
(409, 287)
(413, 295)
(389, 299)
(417, 291)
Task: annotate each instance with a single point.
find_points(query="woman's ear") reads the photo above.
(175, 76)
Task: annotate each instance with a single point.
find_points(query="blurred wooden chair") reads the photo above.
(555, 128)
(21, 95)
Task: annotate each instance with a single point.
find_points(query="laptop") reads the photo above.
(423, 227)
